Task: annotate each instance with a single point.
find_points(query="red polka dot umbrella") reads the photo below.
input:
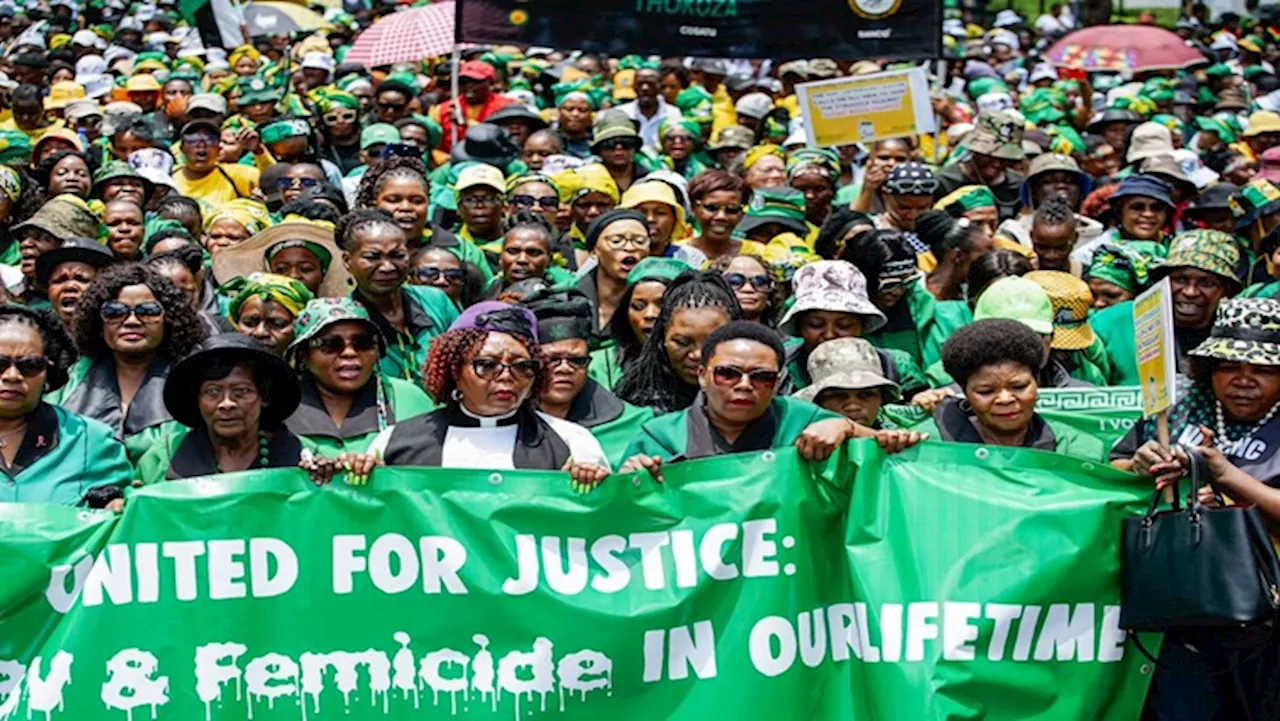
(406, 37)
(1121, 47)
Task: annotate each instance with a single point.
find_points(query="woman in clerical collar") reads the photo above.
(738, 410)
(487, 371)
(232, 395)
(564, 331)
(346, 402)
(49, 454)
(130, 325)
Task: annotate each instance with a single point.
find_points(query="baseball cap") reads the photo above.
(212, 102)
(379, 133)
(202, 124)
(477, 70)
(1017, 299)
(754, 105)
(317, 61)
(480, 175)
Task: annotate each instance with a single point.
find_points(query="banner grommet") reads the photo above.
(495, 478)
(982, 454)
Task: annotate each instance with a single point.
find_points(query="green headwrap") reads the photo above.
(962, 200)
(822, 158)
(661, 269)
(291, 294)
(1125, 268)
(667, 126)
(319, 251)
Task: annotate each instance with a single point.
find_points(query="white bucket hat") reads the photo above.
(833, 285)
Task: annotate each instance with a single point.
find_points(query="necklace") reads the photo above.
(1224, 440)
(4, 435)
(263, 452)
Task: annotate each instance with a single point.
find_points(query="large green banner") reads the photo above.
(945, 582)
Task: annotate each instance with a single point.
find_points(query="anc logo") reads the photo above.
(874, 9)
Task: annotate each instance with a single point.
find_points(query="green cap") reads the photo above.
(255, 90)
(663, 269)
(379, 133)
(1017, 299)
(1214, 125)
(774, 206)
(285, 129)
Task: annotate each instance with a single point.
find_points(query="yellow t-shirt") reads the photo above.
(216, 187)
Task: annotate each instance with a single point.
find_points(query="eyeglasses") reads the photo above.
(526, 202)
(113, 311)
(578, 362)
(199, 141)
(622, 242)
(32, 365)
(714, 208)
(761, 380)
(678, 139)
(759, 282)
(488, 368)
(335, 344)
(480, 201)
(339, 116)
(431, 274)
(304, 183)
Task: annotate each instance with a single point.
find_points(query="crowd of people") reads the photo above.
(215, 260)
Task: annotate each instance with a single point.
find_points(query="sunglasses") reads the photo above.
(618, 144)
(304, 183)
(1141, 208)
(335, 344)
(393, 106)
(526, 202)
(339, 116)
(761, 380)
(113, 311)
(888, 284)
(480, 201)
(431, 274)
(578, 362)
(488, 368)
(28, 365)
(913, 187)
(759, 281)
(713, 208)
(199, 141)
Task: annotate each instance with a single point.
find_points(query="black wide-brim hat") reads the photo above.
(273, 374)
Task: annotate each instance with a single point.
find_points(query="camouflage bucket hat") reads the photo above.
(1246, 330)
(1209, 250)
(63, 216)
(847, 364)
(997, 134)
(321, 313)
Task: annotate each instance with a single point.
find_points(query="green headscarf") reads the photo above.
(1123, 267)
(291, 294)
(663, 269)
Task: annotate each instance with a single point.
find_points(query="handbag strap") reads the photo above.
(1253, 656)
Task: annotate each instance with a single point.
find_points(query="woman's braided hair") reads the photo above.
(380, 171)
(651, 382)
(451, 350)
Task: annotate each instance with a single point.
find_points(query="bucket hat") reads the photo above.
(1214, 197)
(833, 285)
(320, 313)
(1017, 299)
(119, 169)
(1144, 186)
(63, 216)
(1246, 330)
(518, 111)
(1050, 163)
(847, 364)
(1262, 121)
(273, 374)
(998, 134)
(733, 137)
(486, 143)
(612, 126)
(1071, 299)
(78, 250)
(1149, 140)
(1112, 115)
(1209, 250)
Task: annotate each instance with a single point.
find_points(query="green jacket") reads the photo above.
(313, 426)
(155, 464)
(1114, 328)
(64, 456)
(934, 323)
(668, 436)
(429, 312)
(605, 367)
(949, 424)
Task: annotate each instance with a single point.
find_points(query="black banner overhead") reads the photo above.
(838, 29)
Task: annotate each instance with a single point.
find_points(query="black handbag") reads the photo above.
(1197, 567)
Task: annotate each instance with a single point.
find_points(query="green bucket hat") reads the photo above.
(118, 169)
(320, 313)
(1213, 125)
(660, 269)
(1017, 299)
(1246, 330)
(774, 206)
(1257, 198)
(1209, 250)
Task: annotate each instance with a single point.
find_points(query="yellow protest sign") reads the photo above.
(1157, 356)
(859, 109)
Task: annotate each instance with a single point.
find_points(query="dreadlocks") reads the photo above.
(651, 381)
